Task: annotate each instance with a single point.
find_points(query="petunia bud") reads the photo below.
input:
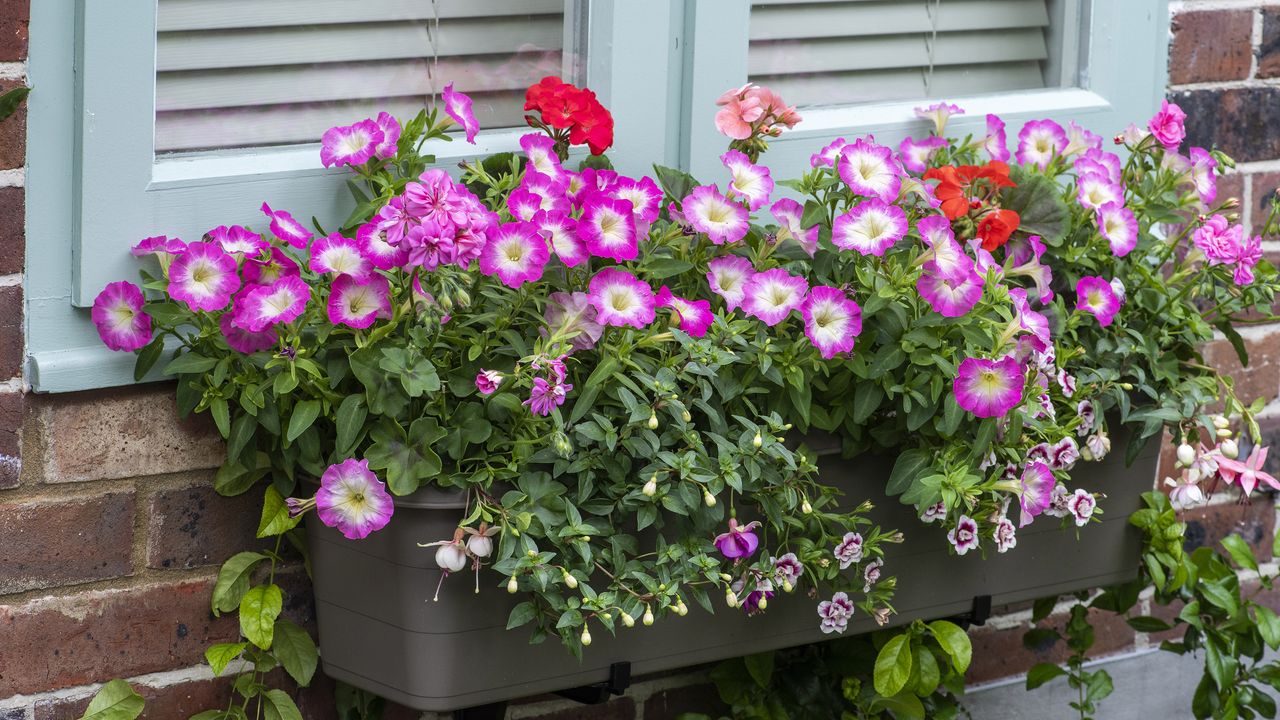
(648, 616)
(757, 441)
(586, 636)
(480, 545)
(708, 499)
(1229, 449)
(1186, 454)
(627, 619)
(653, 421)
(570, 580)
(451, 557)
(513, 585)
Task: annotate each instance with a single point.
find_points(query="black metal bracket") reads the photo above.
(979, 613)
(597, 693)
(492, 711)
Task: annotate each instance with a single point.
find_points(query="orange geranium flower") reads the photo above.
(955, 184)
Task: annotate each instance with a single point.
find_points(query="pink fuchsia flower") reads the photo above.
(996, 143)
(1119, 226)
(871, 228)
(835, 613)
(738, 541)
(964, 536)
(1203, 176)
(1247, 255)
(457, 105)
(561, 233)
(117, 313)
(871, 574)
(390, 135)
(939, 114)
(789, 214)
(487, 381)
(572, 316)
(1248, 473)
(516, 253)
(339, 255)
(262, 306)
(989, 388)
(1029, 320)
(203, 277)
(709, 212)
(161, 245)
(828, 155)
(246, 341)
(1005, 535)
(353, 500)
(237, 240)
(1080, 505)
(285, 227)
(266, 271)
(644, 195)
(621, 299)
(728, 276)
(350, 144)
(1039, 142)
(1167, 125)
(763, 591)
(356, 302)
(953, 293)
(771, 295)
(849, 551)
(694, 316)
(868, 169)
(832, 321)
(749, 181)
(915, 156)
(934, 512)
(1095, 296)
(1094, 190)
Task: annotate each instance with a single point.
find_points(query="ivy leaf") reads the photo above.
(893, 666)
(115, 701)
(275, 515)
(955, 642)
(417, 374)
(259, 609)
(1038, 202)
(219, 656)
(233, 581)
(1041, 673)
(295, 650)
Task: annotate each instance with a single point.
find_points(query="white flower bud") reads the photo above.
(1224, 432)
(586, 636)
(708, 499)
(757, 441)
(451, 557)
(570, 580)
(653, 421)
(1186, 454)
(730, 599)
(681, 608)
(648, 616)
(787, 586)
(805, 507)
(480, 545)
(764, 602)
(1229, 449)
(650, 488)
(513, 585)
(1220, 422)
(628, 620)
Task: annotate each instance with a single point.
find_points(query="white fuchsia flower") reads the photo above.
(620, 298)
(832, 321)
(516, 253)
(1081, 505)
(694, 316)
(457, 105)
(989, 388)
(1005, 535)
(749, 181)
(849, 551)
(608, 227)
(1039, 142)
(357, 301)
(353, 500)
(869, 169)
(1097, 297)
(1119, 226)
(939, 114)
(1186, 490)
(480, 540)
(835, 613)
(259, 307)
(540, 150)
(936, 511)
(728, 276)
(1094, 190)
(117, 313)
(964, 536)
(350, 144)
(871, 574)
(339, 255)
(771, 295)
(246, 341)
(871, 228)
(203, 277)
(915, 156)
(722, 220)
(789, 214)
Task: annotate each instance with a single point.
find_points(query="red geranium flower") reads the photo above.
(564, 106)
(956, 185)
(996, 226)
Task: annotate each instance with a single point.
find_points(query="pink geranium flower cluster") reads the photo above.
(753, 110)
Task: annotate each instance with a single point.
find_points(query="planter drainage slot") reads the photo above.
(597, 693)
(979, 614)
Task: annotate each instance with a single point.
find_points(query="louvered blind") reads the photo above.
(851, 51)
(244, 73)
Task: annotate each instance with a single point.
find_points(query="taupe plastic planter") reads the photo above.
(379, 629)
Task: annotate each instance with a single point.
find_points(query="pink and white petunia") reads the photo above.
(728, 277)
(1095, 296)
(262, 306)
(1101, 162)
(828, 155)
(964, 536)
(561, 233)
(457, 105)
(353, 500)
(1034, 490)
(771, 295)
(1080, 140)
(350, 144)
(989, 388)
(1119, 226)
(1039, 142)
(694, 316)
(869, 169)
(939, 114)
(789, 214)
(203, 277)
(339, 255)
(1094, 190)
(540, 150)
(950, 292)
(246, 341)
(644, 195)
(357, 301)
(117, 313)
(237, 240)
(571, 315)
(376, 248)
(621, 299)
(516, 253)
(285, 227)
(160, 245)
(749, 181)
(871, 228)
(266, 271)
(832, 321)
(915, 156)
(723, 220)
(1081, 505)
(608, 228)
(1203, 176)
(1029, 320)
(996, 143)
(390, 135)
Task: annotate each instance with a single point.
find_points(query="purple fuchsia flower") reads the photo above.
(869, 169)
(1039, 142)
(996, 143)
(620, 298)
(954, 293)
(789, 214)
(964, 536)
(1081, 505)
(771, 295)
(1095, 296)
(694, 316)
(1119, 226)
(828, 155)
(246, 341)
(353, 500)
(285, 227)
(267, 270)
(203, 277)
(1203, 176)
(350, 144)
(339, 255)
(160, 245)
(117, 313)
(237, 240)
(541, 152)
(728, 277)
(1005, 535)
(915, 156)
(1247, 473)
(357, 301)
(787, 570)
(516, 253)
(457, 105)
(572, 315)
(1167, 125)
(871, 228)
(939, 114)
(849, 551)
(608, 227)
(487, 381)
(561, 233)
(832, 321)
(390, 135)
(871, 574)
(989, 388)
(259, 307)
(1094, 190)
(738, 541)
(547, 395)
(749, 181)
(835, 613)
(722, 220)
(644, 195)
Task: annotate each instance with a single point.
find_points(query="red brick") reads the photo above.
(1254, 522)
(13, 129)
(14, 15)
(1264, 189)
(61, 542)
(59, 642)
(12, 413)
(196, 526)
(1269, 48)
(1262, 378)
(999, 652)
(179, 700)
(1211, 45)
(1238, 121)
(12, 338)
(670, 704)
(12, 236)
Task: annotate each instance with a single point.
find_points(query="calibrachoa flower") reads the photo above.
(709, 212)
(377, 250)
(954, 293)
(835, 613)
(936, 511)
(964, 536)
(339, 255)
(1119, 226)
(1247, 473)
(353, 500)
(516, 253)
(832, 321)
(117, 313)
(738, 541)
(772, 295)
(749, 181)
(487, 381)
(259, 307)
(350, 144)
(787, 570)
(871, 574)
(1081, 505)
(871, 228)
(849, 551)
(1167, 125)
(869, 169)
(457, 105)
(989, 388)
(203, 277)
(1039, 142)
(1079, 139)
(789, 214)
(357, 301)
(1064, 453)
(728, 276)
(1005, 535)
(621, 299)
(608, 228)
(694, 316)
(1096, 297)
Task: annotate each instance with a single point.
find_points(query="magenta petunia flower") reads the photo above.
(964, 536)
(789, 214)
(266, 271)
(832, 321)
(871, 228)
(390, 135)
(1099, 161)
(203, 277)
(246, 341)
(259, 307)
(572, 315)
(487, 381)
(540, 150)
(1025, 256)
(951, 293)
(285, 227)
(915, 156)
(1094, 190)
(1039, 142)
(996, 144)
(1079, 139)
(350, 144)
(161, 245)
(939, 114)
(357, 301)
(237, 240)
(739, 541)
(375, 247)
(457, 105)
(869, 169)
(694, 316)
(1034, 491)
(1096, 297)
(723, 220)
(1167, 125)
(1119, 226)
(608, 228)
(353, 500)
(644, 195)
(1029, 320)
(117, 313)
(849, 551)
(340, 255)
(989, 388)
(728, 276)
(621, 299)
(772, 295)
(828, 155)
(749, 181)
(561, 233)
(523, 204)
(1203, 176)
(516, 253)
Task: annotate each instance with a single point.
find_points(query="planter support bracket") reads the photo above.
(597, 693)
(979, 613)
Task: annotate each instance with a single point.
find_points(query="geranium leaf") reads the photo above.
(1038, 201)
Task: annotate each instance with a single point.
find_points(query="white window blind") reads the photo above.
(851, 51)
(245, 73)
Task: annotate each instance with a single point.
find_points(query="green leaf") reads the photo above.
(10, 101)
(1041, 673)
(349, 422)
(1218, 595)
(220, 655)
(893, 666)
(189, 363)
(1237, 342)
(295, 650)
(521, 614)
(259, 609)
(304, 414)
(115, 701)
(408, 458)
(1268, 625)
(910, 465)
(866, 398)
(417, 374)
(233, 581)
(279, 706)
(760, 667)
(241, 433)
(1148, 624)
(1240, 552)
(955, 642)
(665, 267)
(147, 357)
(986, 433)
(1098, 686)
(1038, 202)
(275, 515)
(676, 183)
(904, 706)
(591, 388)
